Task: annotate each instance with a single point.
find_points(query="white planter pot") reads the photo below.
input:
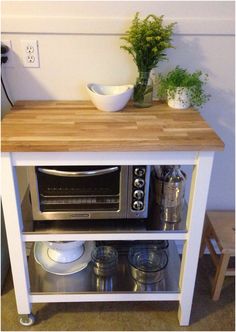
(181, 99)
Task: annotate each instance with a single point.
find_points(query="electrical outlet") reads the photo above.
(9, 54)
(30, 51)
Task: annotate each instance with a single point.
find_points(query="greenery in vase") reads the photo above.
(146, 41)
(180, 78)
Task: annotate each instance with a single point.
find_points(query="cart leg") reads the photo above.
(27, 320)
(13, 220)
(195, 220)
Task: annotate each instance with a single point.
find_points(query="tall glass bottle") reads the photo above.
(160, 172)
(173, 191)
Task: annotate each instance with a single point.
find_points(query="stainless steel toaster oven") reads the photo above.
(89, 192)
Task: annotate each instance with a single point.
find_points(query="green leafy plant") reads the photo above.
(146, 41)
(180, 78)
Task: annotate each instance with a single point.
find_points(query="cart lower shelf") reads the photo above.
(85, 286)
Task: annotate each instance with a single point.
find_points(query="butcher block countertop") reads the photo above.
(42, 126)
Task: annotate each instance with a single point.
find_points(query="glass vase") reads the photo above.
(143, 90)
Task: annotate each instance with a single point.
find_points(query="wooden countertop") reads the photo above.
(41, 126)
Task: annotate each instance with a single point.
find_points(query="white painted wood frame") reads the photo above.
(106, 297)
(195, 221)
(108, 236)
(202, 162)
(13, 222)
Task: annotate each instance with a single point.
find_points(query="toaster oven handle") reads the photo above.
(78, 174)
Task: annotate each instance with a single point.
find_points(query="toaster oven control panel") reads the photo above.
(139, 181)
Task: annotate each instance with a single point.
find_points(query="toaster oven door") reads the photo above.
(78, 192)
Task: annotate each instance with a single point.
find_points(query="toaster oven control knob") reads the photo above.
(139, 171)
(138, 194)
(139, 183)
(138, 205)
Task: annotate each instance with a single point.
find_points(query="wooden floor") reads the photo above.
(207, 315)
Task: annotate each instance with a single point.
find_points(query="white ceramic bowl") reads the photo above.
(65, 252)
(110, 98)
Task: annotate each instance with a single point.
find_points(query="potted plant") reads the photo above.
(146, 41)
(183, 89)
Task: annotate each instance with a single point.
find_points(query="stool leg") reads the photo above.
(220, 276)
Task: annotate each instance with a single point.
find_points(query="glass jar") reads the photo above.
(105, 260)
(143, 90)
(173, 192)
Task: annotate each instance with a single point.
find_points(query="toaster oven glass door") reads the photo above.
(78, 188)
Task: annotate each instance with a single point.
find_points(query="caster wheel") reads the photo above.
(27, 320)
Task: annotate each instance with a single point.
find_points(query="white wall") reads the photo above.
(79, 42)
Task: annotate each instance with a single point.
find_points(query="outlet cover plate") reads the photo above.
(30, 53)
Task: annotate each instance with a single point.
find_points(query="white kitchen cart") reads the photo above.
(75, 133)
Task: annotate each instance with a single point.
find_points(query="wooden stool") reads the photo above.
(220, 226)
